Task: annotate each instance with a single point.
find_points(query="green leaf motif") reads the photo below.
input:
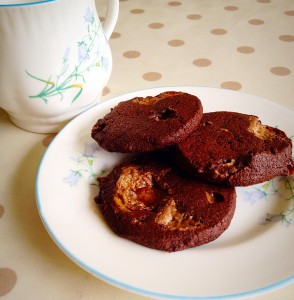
(88, 58)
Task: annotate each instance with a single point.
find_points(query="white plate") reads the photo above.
(254, 256)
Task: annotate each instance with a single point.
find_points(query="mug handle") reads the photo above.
(111, 17)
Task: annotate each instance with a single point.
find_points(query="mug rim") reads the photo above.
(26, 3)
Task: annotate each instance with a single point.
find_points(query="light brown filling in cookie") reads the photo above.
(214, 197)
(152, 100)
(173, 219)
(259, 130)
(134, 190)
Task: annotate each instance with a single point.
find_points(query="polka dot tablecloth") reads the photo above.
(240, 45)
(243, 45)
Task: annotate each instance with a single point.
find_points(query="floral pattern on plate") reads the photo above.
(280, 190)
(83, 165)
(270, 191)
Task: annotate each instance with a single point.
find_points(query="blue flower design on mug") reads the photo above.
(89, 16)
(73, 75)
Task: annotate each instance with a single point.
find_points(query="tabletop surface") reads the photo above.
(242, 45)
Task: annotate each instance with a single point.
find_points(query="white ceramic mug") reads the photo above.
(55, 60)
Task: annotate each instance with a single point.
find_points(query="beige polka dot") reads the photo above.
(155, 25)
(202, 62)
(48, 139)
(131, 54)
(137, 11)
(176, 43)
(231, 85)
(105, 91)
(286, 38)
(264, 1)
(102, 19)
(231, 8)
(289, 12)
(1, 210)
(280, 71)
(218, 31)
(256, 22)
(245, 49)
(152, 76)
(7, 280)
(115, 35)
(194, 17)
(174, 3)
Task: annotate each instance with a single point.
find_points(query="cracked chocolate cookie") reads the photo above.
(149, 201)
(235, 149)
(148, 124)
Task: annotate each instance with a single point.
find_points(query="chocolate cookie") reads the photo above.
(148, 124)
(235, 149)
(149, 201)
